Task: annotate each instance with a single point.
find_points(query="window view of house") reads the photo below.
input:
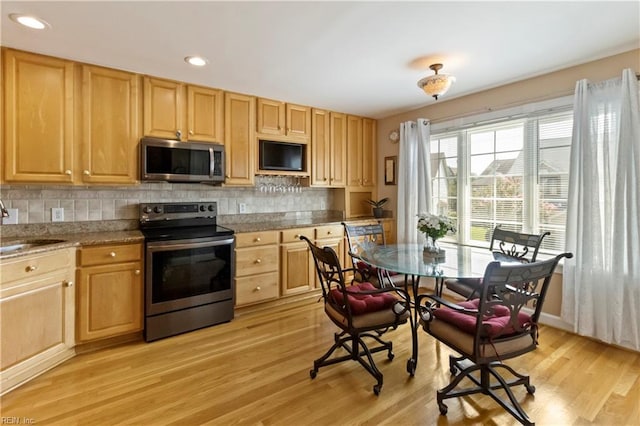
(513, 174)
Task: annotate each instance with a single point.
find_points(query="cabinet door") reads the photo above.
(240, 140)
(369, 159)
(338, 150)
(38, 118)
(337, 244)
(164, 109)
(320, 148)
(110, 125)
(271, 117)
(205, 114)
(298, 121)
(296, 268)
(110, 300)
(354, 151)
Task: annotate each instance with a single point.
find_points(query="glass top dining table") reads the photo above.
(410, 260)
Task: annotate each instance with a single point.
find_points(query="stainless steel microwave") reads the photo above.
(175, 161)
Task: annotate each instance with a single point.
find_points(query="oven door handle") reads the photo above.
(162, 246)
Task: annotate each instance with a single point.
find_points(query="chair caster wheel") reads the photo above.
(443, 409)
(313, 373)
(391, 356)
(531, 389)
(376, 389)
(411, 367)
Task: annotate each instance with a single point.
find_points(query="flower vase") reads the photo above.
(431, 245)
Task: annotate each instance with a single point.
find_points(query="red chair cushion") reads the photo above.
(364, 303)
(494, 325)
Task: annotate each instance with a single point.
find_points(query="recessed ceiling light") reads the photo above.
(198, 61)
(29, 21)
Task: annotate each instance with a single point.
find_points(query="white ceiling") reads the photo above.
(357, 57)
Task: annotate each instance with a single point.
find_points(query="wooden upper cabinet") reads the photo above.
(278, 118)
(110, 109)
(271, 117)
(338, 156)
(164, 109)
(369, 159)
(320, 147)
(173, 110)
(361, 151)
(38, 118)
(240, 140)
(354, 151)
(298, 121)
(205, 118)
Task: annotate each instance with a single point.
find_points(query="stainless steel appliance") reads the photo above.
(175, 161)
(189, 268)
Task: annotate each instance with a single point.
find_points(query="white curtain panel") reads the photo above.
(601, 288)
(414, 179)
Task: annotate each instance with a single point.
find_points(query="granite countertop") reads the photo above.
(54, 236)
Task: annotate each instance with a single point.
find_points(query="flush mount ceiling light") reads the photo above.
(437, 84)
(198, 61)
(29, 21)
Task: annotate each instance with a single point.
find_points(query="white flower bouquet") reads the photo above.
(435, 226)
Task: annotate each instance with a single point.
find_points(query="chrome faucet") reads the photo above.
(3, 209)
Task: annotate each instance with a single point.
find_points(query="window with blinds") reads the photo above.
(513, 173)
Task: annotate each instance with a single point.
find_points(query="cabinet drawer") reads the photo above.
(256, 260)
(250, 239)
(256, 288)
(293, 235)
(329, 231)
(36, 265)
(104, 255)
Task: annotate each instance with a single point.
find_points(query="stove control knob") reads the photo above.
(202, 208)
(147, 210)
(211, 208)
(157, 209)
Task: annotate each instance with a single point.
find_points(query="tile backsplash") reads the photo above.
(34, 202)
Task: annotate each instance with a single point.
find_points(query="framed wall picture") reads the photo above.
(390, 170)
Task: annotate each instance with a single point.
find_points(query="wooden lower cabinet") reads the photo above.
(37, 314)
(110, 291)
(296, 262)
(256, 267)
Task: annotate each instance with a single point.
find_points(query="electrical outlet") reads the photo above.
(242, 207)
(57, 214)
(12, 219)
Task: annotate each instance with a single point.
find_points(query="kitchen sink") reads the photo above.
(17, 246)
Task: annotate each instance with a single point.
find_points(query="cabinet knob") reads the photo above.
(297, 236)
(258, 288)
(191, 132)
(258, 261)
(68, 283)
(137, 272)
(257, 240)
(86, 172)
(328, 232)
(31, 268)
(67, 172)
(112, 254)
(325, 179)
(179, 133)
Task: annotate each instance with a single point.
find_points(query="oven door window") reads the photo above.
(186, 272)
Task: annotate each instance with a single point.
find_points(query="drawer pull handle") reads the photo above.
(257, 239)
(31, 268)
(112, 254)
(258, 288)
(258, 260)
(137, 272)
(68, 283)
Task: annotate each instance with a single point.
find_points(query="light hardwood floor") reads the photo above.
(255, 370)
